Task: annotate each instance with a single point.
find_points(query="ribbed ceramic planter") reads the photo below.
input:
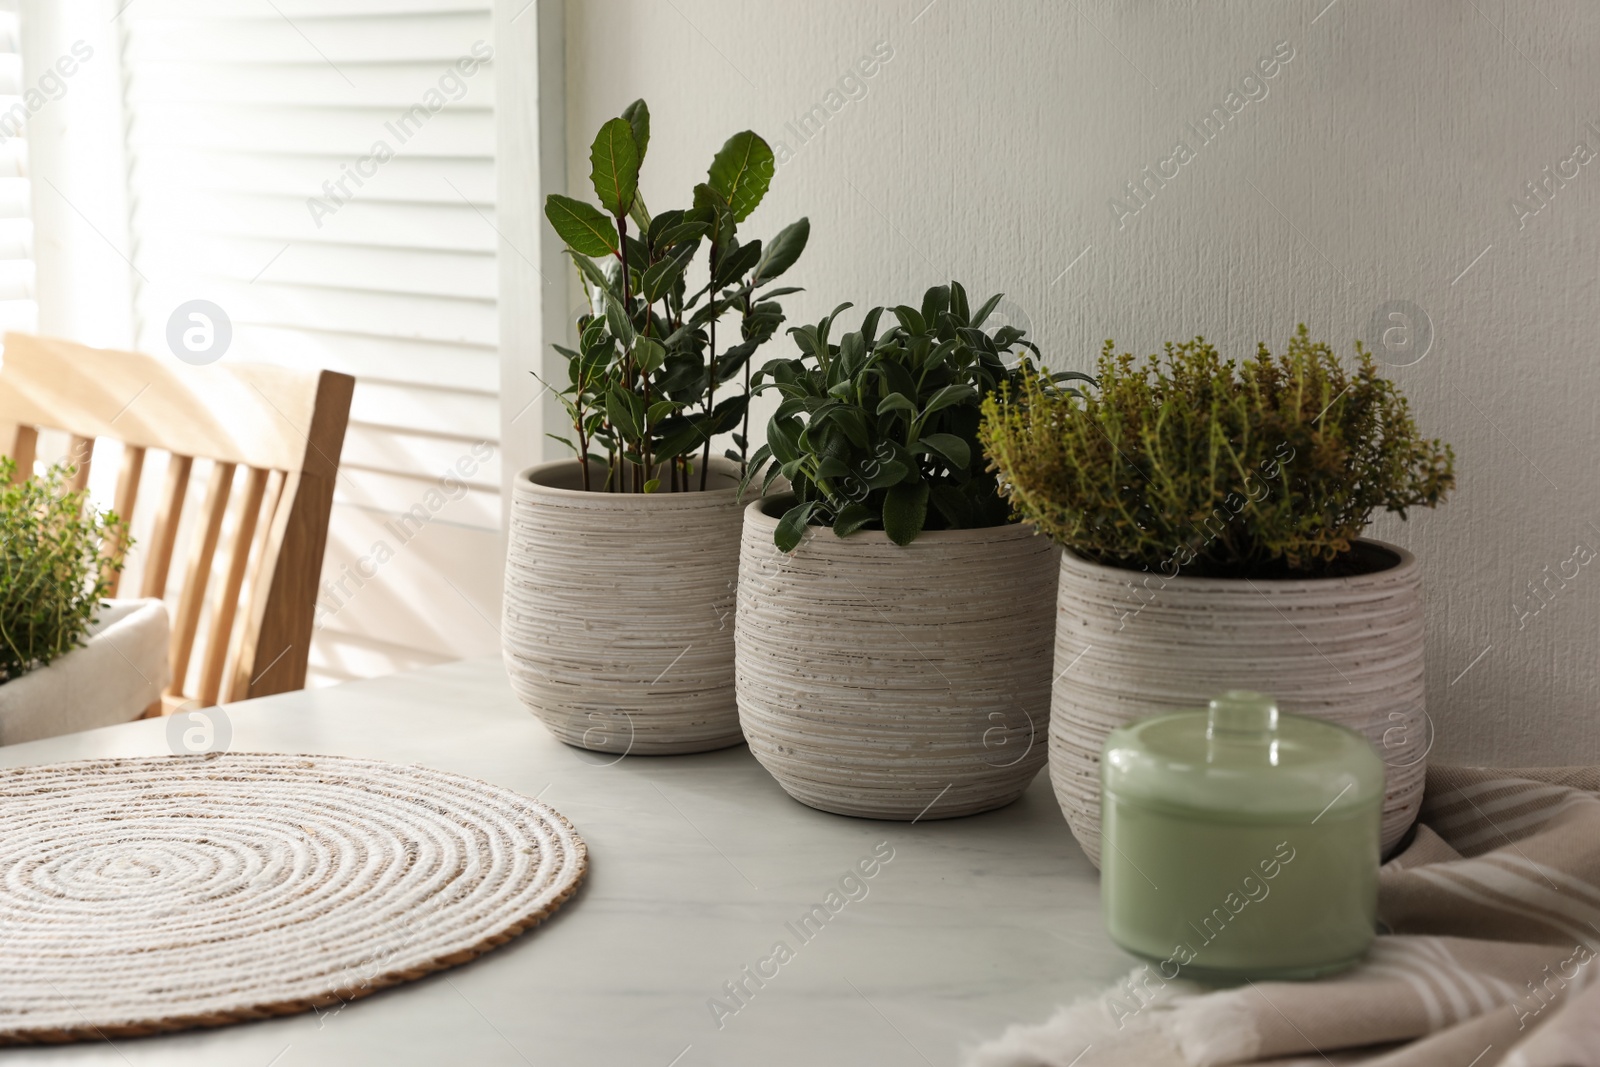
(1131, 644)
(896, 682)
(113, 677)
(618, 617)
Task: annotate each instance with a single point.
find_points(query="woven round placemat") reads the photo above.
(140, 896)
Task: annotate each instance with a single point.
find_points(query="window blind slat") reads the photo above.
(314, 83)
(419, 457)
(465, 275)
(442, 227)
(306, 10)
(474, 508)
(462, 415)
(340, 40)
(403, 179)
(384, 359)
(18, 308)
(459, 130)
(407, 315)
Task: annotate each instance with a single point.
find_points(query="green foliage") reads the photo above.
(614, 166)
(1188, 462)
(646, 386)
(881, 432)
(584, 228)
(52, 576)
(741, 172)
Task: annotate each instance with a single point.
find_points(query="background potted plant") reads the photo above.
(69, 659)
(622, 561)
(897, 666)
(1211, 514)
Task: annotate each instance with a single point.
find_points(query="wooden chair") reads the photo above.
(284, 427)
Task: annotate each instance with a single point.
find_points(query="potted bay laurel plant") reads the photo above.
(69, 658)
(622, 560)
(1211, 513)
(894, 625)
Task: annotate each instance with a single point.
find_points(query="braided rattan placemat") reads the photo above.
(139, 896)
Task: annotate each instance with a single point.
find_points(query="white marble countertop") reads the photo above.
(699, 866)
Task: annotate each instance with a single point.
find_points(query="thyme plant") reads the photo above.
(1190, 462)
(53, 575)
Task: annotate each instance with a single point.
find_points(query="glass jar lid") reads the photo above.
(1242, 759)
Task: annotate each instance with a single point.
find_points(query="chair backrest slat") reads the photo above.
(164, 538)
(23, 451)
(197, 575)
(275, 641)
(227, 602)
(127, 497)
(285, 426)
(236, 687)
(81, 457)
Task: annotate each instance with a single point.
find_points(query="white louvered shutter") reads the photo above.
(18, 308)
(237, 114)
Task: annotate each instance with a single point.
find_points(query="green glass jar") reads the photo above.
(1240, 843)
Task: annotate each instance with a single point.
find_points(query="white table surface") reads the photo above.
(697, 863)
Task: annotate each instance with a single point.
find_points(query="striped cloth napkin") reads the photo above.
(1491, 921)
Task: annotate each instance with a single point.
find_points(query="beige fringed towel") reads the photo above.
(1490, 959)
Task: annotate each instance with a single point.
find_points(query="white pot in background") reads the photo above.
(618, 617)
(118, 673)
(1131, 644)
(896, 682)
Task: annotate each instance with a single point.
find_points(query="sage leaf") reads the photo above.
(911, 320)
(951, 447)
(832, 467)
(949, 396)
(896, 402)
(773, 473)
(905, 511)
(887, 474)
(983, 312)
(792, 527)
(763, 454)
(851, 518)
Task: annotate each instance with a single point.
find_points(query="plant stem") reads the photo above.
(583, 441)
(627, 311)
(711, 369)
(744, 431)
(583, 447)
(644, 441)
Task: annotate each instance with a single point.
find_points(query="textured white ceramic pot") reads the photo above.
(896, 682)
(618, 617)
(117, 673)
(1131, 644)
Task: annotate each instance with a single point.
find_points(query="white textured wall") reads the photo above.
(1379, 165)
